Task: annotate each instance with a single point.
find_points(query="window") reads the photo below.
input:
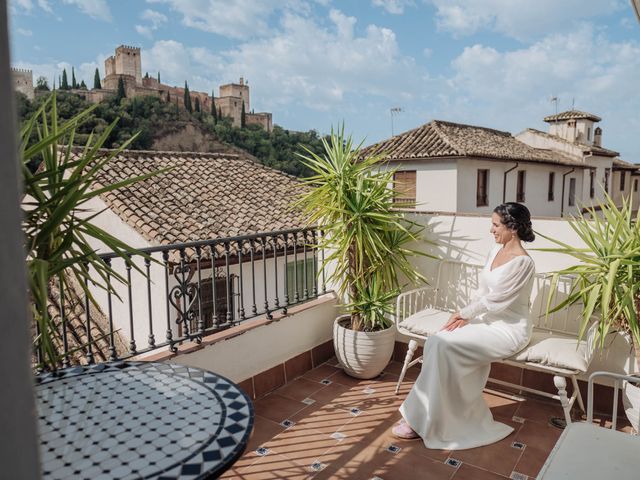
(572, 192)
(296, 277)
(482, 188)
(589, 133)
(206, 297)
(522, 176)
(622, 179)
(552, 181)
(592, 183)
(635, 185)
(404, 184)
(607, 173)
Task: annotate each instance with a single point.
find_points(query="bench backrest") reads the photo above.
(457, 284)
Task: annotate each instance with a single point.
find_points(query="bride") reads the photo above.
(445, 406)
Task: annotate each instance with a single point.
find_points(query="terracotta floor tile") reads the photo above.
(274, 467)
(333, 361)
(321, 372)
(302, 445)
(325, 419)
(300, 389)
(501, 405)
(329, 393)
(539, 411)
(344, 379)
(396, 367)
(263, 430)
(468, 472)
(277, 408)
(499, 457)
(539, 440)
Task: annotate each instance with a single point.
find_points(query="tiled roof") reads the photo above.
(571, 115)
(203, 196)
(620, 164)
(438, 139)
(605, 152)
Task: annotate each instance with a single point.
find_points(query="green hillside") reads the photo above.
(156, 120)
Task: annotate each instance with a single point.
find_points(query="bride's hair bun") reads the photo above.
(516, 216)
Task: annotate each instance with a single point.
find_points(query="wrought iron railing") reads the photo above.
(182, 292)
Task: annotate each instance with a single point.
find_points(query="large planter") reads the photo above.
(362, 354)
(631, 402)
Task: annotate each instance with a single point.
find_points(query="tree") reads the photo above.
(74, 84)
(168, 96)
(214, 113)
(121, 93)
(64, 83)
(83, 86)
(243, 121)
(96, 79)
(197, 109)
(219, 112)
(41, 84)
(187, 98)
(146, 75)
(158, 77)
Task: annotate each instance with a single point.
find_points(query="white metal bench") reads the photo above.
(554, 346)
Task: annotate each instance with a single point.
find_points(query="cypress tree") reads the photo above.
(64, 83)
(214, 112)
(158, 77)
(242, 119)
(187, 98)
(146, 75)
(121, 93)
(168, 96)
(96, 79)
(197, 104)
(219, 112)
(74, 84)
(83, 85)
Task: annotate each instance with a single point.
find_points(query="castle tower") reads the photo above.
(127, 62)
(239, 91)
(23, 81)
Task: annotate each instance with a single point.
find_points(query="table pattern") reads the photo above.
(140, 420)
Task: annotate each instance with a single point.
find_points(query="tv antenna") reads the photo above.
(394, 111)
(554, 99)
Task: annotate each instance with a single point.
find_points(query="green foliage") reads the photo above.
(197, 109)
(96, 79)
(121, 92)
(151, 115)
(608, 275)
(74, 84)
(158, 77)
(58, 229)
(243, 119)
(83, 86)
(351, 197)
(187, 98)
(214, 112)
(64, 83)
(42, 84)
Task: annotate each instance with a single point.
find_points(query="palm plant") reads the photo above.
(57, 225)
(352, 198)
(607, 281)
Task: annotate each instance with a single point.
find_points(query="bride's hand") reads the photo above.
(455, 321)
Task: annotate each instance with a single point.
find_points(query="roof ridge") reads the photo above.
(456, 124)
(445, 138)
(76, 148)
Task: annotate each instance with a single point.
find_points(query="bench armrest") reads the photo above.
(413, 301)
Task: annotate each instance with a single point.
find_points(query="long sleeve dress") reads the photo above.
(445, 406)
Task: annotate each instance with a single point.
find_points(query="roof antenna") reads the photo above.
(573, 103)
(554, 99)
(392, 111)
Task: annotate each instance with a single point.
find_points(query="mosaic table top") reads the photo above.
(140, 420)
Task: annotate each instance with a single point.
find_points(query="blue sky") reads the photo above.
(316, 63)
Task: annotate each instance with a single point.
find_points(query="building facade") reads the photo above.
(23, 82)
(449, 167)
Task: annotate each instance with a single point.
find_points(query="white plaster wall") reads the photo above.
(468, 183)
(467, 238)
(266, 346)
(539, 141)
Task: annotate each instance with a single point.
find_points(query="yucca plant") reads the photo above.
(57, 226)
(351, 197)
(607, 279)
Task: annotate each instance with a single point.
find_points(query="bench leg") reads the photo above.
(413, 345)
(561, 385)
(579, 397)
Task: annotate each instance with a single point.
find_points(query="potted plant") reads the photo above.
(351, 196)
(607, 279)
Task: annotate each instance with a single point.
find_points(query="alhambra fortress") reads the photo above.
(127, 64)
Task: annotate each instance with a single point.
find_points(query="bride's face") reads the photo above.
(499, 230)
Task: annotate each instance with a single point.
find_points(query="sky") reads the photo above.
(375, 65)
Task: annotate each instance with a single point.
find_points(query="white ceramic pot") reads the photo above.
(362, 354)
(631, 402)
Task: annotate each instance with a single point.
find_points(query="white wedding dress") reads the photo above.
(445, 406)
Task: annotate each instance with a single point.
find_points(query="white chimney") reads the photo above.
(571, 130)
(597, 137)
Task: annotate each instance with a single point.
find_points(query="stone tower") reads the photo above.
(23, 81)
(237, 90)
(125, 62)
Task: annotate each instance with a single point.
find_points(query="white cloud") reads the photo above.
(17, 6)
(520, 19)
(395, 7)
(44, 5)
(25, 32)
(156, 19)
(230, 18)
(97, 9)
(510, 89)
(144, 31)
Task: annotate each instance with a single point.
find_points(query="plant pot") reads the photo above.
(631, 403)
(362, 354)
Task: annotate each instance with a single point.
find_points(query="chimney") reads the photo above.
(241, 80)
(571, 130)
(597, 137)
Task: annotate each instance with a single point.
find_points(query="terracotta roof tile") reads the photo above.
(605, 152)
(571, 115)
(438, 139)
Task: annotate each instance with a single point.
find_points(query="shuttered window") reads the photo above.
(482, 188)
(551, 189)
(592, 183)
(572, 192)
(522, 179)
(404, 184)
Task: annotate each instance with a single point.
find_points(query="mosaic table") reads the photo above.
(140, 420)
